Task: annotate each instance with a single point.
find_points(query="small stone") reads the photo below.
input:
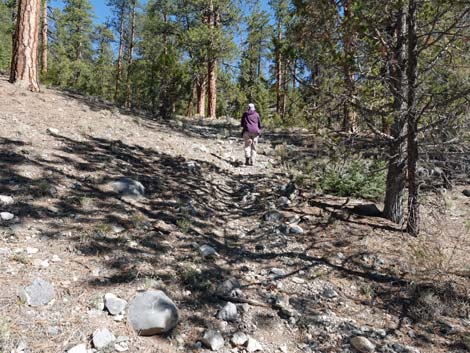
(152, 312)
(56, 258)
(53, 331)
(228, 312)
(113, 304)
(239, 338)
(362, 344)
(128, 187)
(228, 286)
(466, 192)
(277, 272)
(116, 229)
(207, 251)
(102, 338)
(329, 292)
(213, 340)
(31, 251)
(253, 345)
(121, 347)
(6, 216)
(295, 229)
(273, 216)
(284, 201)
(52, 131)
(6, 200)
(39, 293)
(81, 348)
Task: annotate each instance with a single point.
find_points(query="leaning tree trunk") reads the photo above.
(44, 39)
(396, 175)
(24, 69)
(412, 226)
(127, 103)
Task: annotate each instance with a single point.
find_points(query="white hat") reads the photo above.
(251, 106)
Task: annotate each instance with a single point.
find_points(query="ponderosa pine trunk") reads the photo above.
(213, 22)
(350, 115)
(120, 51)
(201, 96)
(279, 67)
(396, 175)
(44, 39)
(24, 68)
(412, 122)
(130, 61)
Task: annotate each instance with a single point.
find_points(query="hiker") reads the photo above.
(251, 125)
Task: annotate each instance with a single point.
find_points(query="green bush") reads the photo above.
(359, 178)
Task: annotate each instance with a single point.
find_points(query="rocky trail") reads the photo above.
(114, 224)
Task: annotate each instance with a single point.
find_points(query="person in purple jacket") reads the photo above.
(251, 125)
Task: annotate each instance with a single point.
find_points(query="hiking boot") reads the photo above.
(248, 161)
(252, 162)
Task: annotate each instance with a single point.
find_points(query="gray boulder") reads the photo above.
(102, 338)
(39, 293)
(113, 304)
(6, 216)
(81, 348)
(273, 216)
(6, 200)
(239, 338)
(128, 187)
(152, 312)
(213, 340)
(362, 344)
(228, 312)
(253, 345)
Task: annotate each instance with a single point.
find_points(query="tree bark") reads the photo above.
(44, 39)
(212, 66)
(350, 116)
(279, 76)
(201, 96)
(412, 226)
(120, 51)
(396, 175)
(24, 69)
(130, 61)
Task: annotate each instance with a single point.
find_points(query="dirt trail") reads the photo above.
(343, 275)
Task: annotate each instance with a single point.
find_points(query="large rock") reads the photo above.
(273, 216)
(228, 312)
(6, 200)
(6, 216)
(362, 344)
(369, 209)
(81, 348)
(213, 340)
(113, 304)
(102, 338)
(128, 187)
(152, 312)
(39, 293)
(253, 345)
(239, 338)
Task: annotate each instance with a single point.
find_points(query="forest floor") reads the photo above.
(345, 275)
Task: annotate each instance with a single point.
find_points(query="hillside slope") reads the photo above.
(306, 273)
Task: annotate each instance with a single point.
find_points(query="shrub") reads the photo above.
(359, 178)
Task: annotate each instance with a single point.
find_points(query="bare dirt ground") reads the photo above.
(346, 275)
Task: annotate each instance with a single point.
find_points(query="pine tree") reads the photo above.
(24, 67)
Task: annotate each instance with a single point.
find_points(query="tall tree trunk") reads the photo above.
(130, 61)
(120, 51)
(190, 106)
(201, 96)
(24, 69)
(44, 39)
(212, 65)
(350, 116)
(396, 175)
(279, 67)
(412, 122)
